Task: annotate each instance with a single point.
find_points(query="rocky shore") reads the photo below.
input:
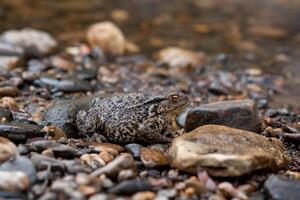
(227, 143)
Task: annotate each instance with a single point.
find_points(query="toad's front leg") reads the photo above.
(150, 131)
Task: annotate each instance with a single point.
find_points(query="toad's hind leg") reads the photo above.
(151, 129)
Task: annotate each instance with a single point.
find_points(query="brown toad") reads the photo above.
(138, 116)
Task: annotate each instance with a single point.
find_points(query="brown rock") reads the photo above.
(93, 160)
(240, 114)
(8, 91)
(178, 57)
(107, 36)
(13, 181)
(225, 151)
(106, 156)
(113, 149)
(9, 62)
(7, 149)
(9, 102)
(268, 32)
(153, 158)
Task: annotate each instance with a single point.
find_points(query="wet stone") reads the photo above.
(281, 188)
(7, 149)
(68, 85)
(225, 151)
(130, 187)
(33, 42)
(20, 163)
(241, 114)
(13, 181)
(6, 114)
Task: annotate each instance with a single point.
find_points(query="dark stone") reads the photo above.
(130, 187)
(58, 149)
(42, 162)
(240, 114)
(134, 149)
(20, 132)
(280, 188)
(20, 163)
(65, 85)
(5, 113)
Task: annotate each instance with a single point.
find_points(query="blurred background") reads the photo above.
(262, 34)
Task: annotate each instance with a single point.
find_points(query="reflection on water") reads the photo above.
(212, 26)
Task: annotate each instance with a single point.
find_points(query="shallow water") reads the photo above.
(211, 26)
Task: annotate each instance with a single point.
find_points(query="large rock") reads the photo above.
(241, 114)
(108, 37)
(225, 151)
(280, 188)
(33, 42)
(178, 57)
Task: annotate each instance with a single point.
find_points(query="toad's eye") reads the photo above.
(174, 97)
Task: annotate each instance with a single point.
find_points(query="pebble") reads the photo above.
(10, 56)
(113, 149)
(93, 160)
(178, 57)
(112, 169)
(59, 150)
(20, 131)
(67, 85)
(108, 37)
(34, 42)
(153, 158)
(20, 163)
(7, 149)
(13, 181)
(225, 151)
(281, 188)
(9, 62)
(130, 187)
(147, 195)
(134, 149)
(126, 174)
(240, 114)
(5, 114)
(106, 156)
(9, 102)
(41, 162)
(9, 91)
(230, 192)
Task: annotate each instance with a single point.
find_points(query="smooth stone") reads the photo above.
(41, 162)
(225, 151)
(281, 188)
(179, 57)
(58, 149)
(20, 163)
(33, 42)
(13, 181)
(6, 114)
(130, 187)
(63, 114)
(113, 149)
(7, 149)
(9, 62)
(134, 149)
(93, 160)
(153, 158)
(147, 195)
(9, 91)
(112, 169)
(20, 131)
(108, 37)
(10, 56)
(66, 85)
(240, 114)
